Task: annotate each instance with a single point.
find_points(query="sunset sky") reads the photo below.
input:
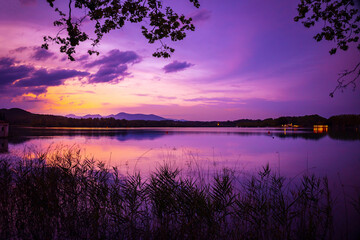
(246, 59)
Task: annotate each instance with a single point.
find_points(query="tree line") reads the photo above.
(23, 118)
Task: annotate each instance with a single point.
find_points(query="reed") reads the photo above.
(64, 195)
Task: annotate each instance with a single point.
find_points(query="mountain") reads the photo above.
(128, 116)
(92, 116)
(84, 117)
(72, 116)
(122, 115)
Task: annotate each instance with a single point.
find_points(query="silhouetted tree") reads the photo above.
(340, 19)
(161, 22)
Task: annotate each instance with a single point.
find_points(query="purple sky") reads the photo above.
(246, 59)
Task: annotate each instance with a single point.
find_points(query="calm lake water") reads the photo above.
(205, 151)
(290, 152)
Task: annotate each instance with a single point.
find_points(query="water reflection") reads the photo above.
(320, 128)
(21, 135)
(205, 148)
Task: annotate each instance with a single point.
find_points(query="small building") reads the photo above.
(4, 146)
(4, 129)
(321, 128)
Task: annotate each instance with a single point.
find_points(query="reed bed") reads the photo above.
(64, 195)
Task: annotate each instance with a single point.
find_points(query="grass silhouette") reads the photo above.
(63, 195)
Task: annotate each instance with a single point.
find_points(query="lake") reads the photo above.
(202, 152)
(288, 152)
(206, 151)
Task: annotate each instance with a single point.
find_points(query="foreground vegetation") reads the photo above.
(65, 196)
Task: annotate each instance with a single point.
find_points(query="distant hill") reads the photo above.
(16, 116)
(72, 116)
(92, 116)
(122, 115)
(146, 117)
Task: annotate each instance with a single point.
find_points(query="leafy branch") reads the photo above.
(341, 20)
(109, 15)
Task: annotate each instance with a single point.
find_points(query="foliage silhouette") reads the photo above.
(108, 15)
(341, 21)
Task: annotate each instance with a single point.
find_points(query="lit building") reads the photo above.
(320, 128)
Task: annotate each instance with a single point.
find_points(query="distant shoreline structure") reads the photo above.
(4, 134)
(4, 129)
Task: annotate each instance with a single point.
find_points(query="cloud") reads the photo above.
(141, 95)
(41, 54)
(83, 57)
(176, 66)
(18, 50)
(201, 15)
(35, 53)
(166, 98)
(20, 79)
(27, 99)
(109, 74)
(116, 57)
(6, 62)
(113, 67)
(37, 90)
(75, 92)
(10, 73)
(43, 77)
(216, 100)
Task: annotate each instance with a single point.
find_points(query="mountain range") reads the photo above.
(122, 115)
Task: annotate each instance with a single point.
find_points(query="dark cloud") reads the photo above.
(83, 57)
(37, 90)
(113, 67)
(28, 2)
(41, 54)
(19, 79)
(109, 74)
(18, 50)
(10, 73)
(6, 62)
(201, 15)
(176, 66)
(10, 91)
(43, 77)
(26, 99)
(116, 57)
(36, 53)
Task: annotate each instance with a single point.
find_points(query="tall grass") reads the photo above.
(66, 196)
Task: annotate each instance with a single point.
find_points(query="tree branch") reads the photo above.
(344, 82)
